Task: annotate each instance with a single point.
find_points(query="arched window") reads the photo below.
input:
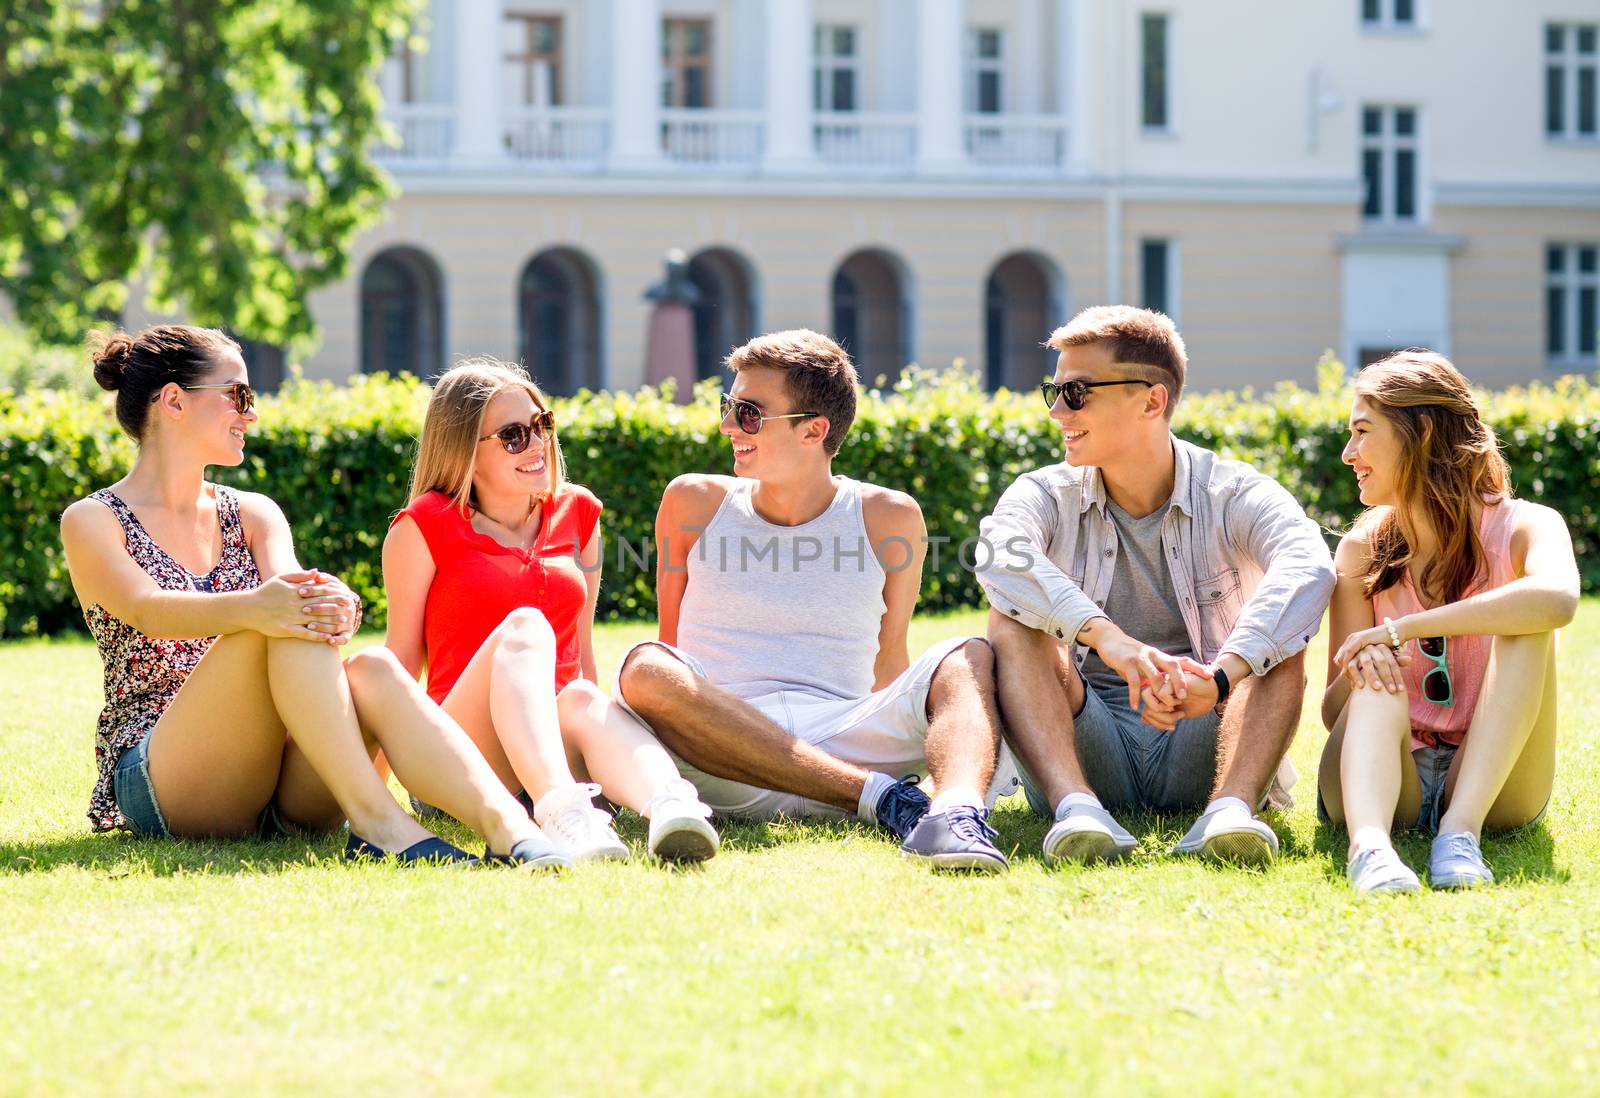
(872, 313)
(1021, 306)
(726, 315)
(558, 321)
(402, 315)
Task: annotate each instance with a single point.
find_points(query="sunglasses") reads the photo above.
(748, 418)
(1076, 392)
(1436, 685)
(244, 397)
(515, 437)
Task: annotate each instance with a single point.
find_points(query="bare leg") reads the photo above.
(1502, 776)
(430, 754)
(614, 749)
(1331, 785)
(725, 736)
(1039, 693)
(1269, 706)
(964, 725)
(218, 754)
(1375, 765)
(505, 701)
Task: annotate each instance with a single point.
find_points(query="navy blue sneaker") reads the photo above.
(901, 806)
(957, 838)
(432, 851)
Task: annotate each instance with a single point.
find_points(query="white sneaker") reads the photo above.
(1378, 869)
(680, 824)
(571, 821)
(1230, 834)
(1087, 833)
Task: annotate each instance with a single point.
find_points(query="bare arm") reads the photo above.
(590, 559)
(900, 539)
(408, 572)
(686, 508)
(1348, 612)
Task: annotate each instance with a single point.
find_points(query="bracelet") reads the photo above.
(1220, 677)
(1394, 635)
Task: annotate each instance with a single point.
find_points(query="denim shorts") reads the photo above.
(135, 794)
(1131, 765)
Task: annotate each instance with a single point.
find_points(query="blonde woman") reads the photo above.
(229, 710)
(1441, 695)
(492, 572)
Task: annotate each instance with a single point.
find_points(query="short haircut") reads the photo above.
(1137, 337)
(818, 376)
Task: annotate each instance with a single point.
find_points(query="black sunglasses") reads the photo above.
(515, 437)
(748, 418)
(1076, 392)
(244, 397)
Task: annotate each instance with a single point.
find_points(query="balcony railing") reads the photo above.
(427, 132)
(1016, 140)
(716, 139)
(559, 137)
(872, 142)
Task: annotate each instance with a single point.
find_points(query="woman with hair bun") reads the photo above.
(1441, 696)
(228, 708)
(491, 573)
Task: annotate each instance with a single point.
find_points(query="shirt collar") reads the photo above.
(1094, 485)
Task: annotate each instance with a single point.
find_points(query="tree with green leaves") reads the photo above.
(219, 149)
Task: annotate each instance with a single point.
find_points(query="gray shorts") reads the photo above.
(1131, 765)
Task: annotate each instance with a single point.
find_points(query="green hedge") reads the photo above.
(338, 457)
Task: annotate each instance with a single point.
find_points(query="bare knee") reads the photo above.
(374, 669)
(971, 662)
(525, 630)
(1009, 637)
(580, 700)
(651, 677)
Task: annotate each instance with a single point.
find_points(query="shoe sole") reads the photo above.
(601, 854)
(1239, 848)
(968, 861)
(694, 841)
(1086, 847)
(1458, 884)
(1391, 888)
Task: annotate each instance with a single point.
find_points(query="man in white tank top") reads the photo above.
(781, 679)
(1150, 607)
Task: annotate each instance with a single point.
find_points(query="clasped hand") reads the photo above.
(309, 605)
(1169, 688)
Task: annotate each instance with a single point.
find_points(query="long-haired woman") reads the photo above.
(229, 710)
(1441, 695)
(492, 572)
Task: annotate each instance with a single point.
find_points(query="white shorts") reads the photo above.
(885, 731)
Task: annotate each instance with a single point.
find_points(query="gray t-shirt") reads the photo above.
(1141, 602)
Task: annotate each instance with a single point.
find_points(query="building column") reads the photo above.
(1077, 32)
(636, 84)
(479, 43)
(941, 25)
(1028, 45)
(790, 28)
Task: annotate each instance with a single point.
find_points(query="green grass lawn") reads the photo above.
(806, 958)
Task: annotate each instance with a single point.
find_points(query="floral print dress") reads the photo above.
(143, 674)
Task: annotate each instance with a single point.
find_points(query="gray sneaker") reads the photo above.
(1456, 861)
(1087, 833)
(1378, 869)
(1230, 834)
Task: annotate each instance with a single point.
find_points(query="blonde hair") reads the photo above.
(1132, 337)
(448, 450)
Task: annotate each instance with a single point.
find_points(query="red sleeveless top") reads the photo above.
(478, 582)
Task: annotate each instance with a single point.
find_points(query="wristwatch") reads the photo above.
(1220, 677)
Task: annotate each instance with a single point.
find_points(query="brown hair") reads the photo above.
(138, 367)
(1449, 460)
(818, 376)
(448, 449)
(1132, 337)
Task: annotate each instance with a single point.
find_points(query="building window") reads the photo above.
(985, 62)
(1571, 97)
(1154, 35)
(836, 68)
(1572, 294)
(1389, 163)
(686, 63)
(533, 59)
(1158, 276)
(1389, 14)
(402, 315)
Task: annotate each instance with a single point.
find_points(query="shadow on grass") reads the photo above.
(125, 856)
(1526, 854)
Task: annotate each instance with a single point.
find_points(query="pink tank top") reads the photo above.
(1466, 657)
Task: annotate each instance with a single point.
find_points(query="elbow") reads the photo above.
(1564, 607)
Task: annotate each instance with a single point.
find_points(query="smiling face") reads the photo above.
(496, 472)
(209, 417)
(1374, 453)
(781, 443)
(1114, 421)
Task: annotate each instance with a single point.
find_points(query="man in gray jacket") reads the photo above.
(1150, 607)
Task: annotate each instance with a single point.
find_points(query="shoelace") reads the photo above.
(1462, 846)
(902, 806)
(969, 825)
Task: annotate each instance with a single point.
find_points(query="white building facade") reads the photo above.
(935, 180)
